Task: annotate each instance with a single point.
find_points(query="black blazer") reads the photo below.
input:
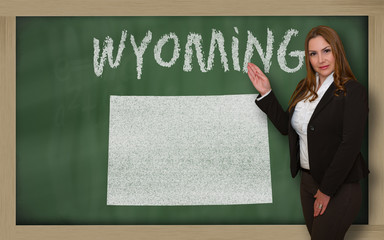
(335, 134)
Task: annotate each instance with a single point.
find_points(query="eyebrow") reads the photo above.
(321, 49)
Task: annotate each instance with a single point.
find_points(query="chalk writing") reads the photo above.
(194, 45)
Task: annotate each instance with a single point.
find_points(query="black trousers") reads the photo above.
(342, 209)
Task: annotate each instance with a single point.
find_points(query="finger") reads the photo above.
(251, 70)
(323, 209)
(258, 70)
(252, 75)
(316, 212)
(258, 75)
(316, 209)
(253, 67)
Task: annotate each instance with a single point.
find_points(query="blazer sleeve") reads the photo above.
(271, 106)
(354, 119)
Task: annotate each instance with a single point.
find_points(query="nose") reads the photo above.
(321, 58)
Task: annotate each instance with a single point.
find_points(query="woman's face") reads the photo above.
(321, 57)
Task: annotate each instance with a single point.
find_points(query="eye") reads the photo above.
(311, 54)
(328, 50)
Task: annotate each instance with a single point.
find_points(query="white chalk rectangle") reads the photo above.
(188, 150)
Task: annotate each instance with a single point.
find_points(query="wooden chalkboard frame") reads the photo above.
(374, 9)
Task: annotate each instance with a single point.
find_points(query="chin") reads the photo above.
(325, 73)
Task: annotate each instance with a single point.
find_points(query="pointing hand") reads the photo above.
(258, 78)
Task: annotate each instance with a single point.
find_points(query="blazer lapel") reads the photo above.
(290, 128)
(324, 100)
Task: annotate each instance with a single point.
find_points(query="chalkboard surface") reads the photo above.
(63, 92)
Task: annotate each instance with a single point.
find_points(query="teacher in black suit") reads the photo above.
(325, 124)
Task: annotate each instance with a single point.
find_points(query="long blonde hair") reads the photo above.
(306, 89)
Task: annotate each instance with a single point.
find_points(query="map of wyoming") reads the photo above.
(188, 150)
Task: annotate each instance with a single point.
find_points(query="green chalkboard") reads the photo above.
(62, 108)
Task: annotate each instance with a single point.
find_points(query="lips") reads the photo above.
(324, 67)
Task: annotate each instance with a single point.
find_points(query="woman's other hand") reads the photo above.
(258, 79)
(321, 203)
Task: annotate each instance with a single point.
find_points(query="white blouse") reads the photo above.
(302, 115)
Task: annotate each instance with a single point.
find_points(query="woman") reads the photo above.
(325, 123)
